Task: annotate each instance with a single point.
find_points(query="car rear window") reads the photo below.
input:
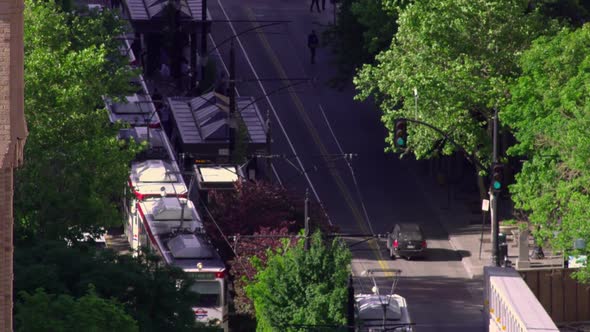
(411, 236)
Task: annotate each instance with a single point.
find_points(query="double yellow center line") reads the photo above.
(318, 142)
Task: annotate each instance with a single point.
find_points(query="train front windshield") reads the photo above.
(210, 293)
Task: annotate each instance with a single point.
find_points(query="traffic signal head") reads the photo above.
(497, 177)
(401, 134)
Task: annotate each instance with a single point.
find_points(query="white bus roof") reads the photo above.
(370, 312)
(136, 110)
(192, 252)
(217, 177)
(157, 177)
(165, 214)
(187, 248)
(158, 146)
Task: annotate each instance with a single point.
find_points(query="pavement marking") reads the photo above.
(317, 140)
(272, 107)
(350, 168)
(277, 175)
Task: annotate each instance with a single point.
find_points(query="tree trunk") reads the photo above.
(483, 192)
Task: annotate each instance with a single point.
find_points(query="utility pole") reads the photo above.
(493, 198)
(193, 60)
(350, 305)
(232, 99)
(306, 220)
(268, 141)
(204, 29)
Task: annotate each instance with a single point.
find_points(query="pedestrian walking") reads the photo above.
(312, 43)
(185, 75)
(317, 4)
(164, 70)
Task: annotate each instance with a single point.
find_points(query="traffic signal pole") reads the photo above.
(400, 141)
(493, 198)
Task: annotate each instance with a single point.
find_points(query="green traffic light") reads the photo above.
(497, 185)
(400, 142)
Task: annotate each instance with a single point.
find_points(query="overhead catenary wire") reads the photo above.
(279, 122)
(356, 186)
(224, 237)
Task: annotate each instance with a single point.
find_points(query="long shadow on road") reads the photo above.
(436, 303)
(362, 251)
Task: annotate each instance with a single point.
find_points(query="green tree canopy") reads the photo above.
(550, 116)
(157, 296)
(460, 56)
(40, 311)
(75, 167)
(298, 287)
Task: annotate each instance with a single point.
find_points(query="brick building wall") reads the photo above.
(13, 134)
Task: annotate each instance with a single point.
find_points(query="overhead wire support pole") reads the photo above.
(493, 198)
(204, 31)
(268, 146)
(232, 99)
(306, 219)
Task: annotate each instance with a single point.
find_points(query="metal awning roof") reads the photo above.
(252, 119)
(204, 119)
(146, 10)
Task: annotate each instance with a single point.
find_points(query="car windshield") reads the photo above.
(209, 293)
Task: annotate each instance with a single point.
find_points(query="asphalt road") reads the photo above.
(311, 124)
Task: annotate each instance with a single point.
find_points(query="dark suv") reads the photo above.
(406, 240)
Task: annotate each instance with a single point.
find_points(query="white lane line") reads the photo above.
(238, 93)
(277, 175)
(271, 106)
(220, 58)
(349, 167)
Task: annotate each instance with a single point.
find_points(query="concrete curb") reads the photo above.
(474, 271)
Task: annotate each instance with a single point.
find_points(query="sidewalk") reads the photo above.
(460, 215)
